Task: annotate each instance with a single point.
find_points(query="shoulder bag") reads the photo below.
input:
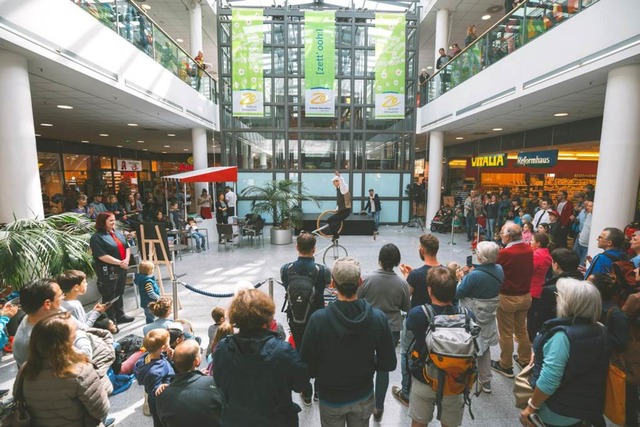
(18, 416)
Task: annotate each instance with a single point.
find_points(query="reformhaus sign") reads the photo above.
(490, 161)
(538, 159)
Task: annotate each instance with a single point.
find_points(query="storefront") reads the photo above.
(548, 170)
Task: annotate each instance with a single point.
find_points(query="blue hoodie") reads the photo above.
(152, 373)
(147, 293)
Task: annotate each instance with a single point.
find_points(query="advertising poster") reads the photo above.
(319, 63)
(389, 87)
(246, 68)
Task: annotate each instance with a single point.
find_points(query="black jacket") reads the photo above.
(376, 203)
(257, 372)
(344, 345)
(192, 399)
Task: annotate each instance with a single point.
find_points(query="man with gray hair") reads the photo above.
(478, 292)
(516, 260)
(343, 346)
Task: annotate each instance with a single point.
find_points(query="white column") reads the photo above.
(20, 191)
(263, 160)
(436, 148)
(618, 171)
(195, 27)
(199, 142)
(442, 34)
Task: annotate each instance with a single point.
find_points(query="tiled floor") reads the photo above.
(218, 270)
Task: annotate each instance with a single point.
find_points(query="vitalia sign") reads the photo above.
(490, 161)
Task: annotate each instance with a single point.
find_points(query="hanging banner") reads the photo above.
(538, 159)
(125, 165)
(319, 63)
(247, 83)
(390, 65)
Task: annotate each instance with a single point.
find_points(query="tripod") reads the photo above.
(415, 220)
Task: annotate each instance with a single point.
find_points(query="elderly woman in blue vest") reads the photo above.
(571, 359)
(478, 291)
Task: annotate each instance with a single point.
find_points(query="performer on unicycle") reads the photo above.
(344, 206)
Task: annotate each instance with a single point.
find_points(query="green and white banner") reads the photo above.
(319, 63)
(246, 68)
(389, 86)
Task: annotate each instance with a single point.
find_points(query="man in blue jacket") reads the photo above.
(611, 240)
(343, 346)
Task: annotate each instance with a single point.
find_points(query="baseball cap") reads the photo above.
(552, 212)
(335, 178)
(346, 270)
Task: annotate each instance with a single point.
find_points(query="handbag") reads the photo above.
(18, 416)
(522, 389)
(615, 395)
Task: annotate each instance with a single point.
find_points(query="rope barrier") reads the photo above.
(215, 295)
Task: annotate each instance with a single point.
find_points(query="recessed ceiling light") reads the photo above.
(497, 129)
(429, 68)
(84, 141)
(171, 134)
(119, 146)
(132, 124)
(561, 114)
(167, 146)
(164, 152)
(46, 124)
(185, 149)
(145, 7)
(179, 40)
(486, 17)
(141, 142)
(459, 137)
(145, 149)
(65, 107)
(104, 134)
(37, 134)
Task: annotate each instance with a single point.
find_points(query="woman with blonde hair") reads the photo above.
(471, 35)
(162, 309)
(255, 370)
(60, 383)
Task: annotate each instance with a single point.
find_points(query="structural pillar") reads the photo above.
(442, 34)
(618, 171)
(195, 27)
(20, 191)
(200, 161)
(434, 189)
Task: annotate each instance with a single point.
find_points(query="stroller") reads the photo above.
(442, 221)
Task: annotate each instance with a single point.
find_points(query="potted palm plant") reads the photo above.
(281, 199)
(36, 248)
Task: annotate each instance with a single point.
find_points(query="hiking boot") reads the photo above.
(377, 414)
(198, 249)
(108, 422)
(520, 365)
(305, 399)
(397, 393)
(486, 387)
(495, 365)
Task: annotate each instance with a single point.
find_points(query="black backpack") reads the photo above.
(301, 294)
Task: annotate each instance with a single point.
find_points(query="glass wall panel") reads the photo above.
(318, 150)
(360, 61)
(379, 124)
(358, 91)
(343, 35)
(278, 60)
(383, 152)
(358, 152)
(292, 152)
(325, 205)
(294, 33)
(279, 90)
(344, 63)
(253, 150)
(278, 34)
(293, 62)
(356, 187)
(345, 118)
(359, 39)
(385, 184)
(389, 212)
(319, 184)
(266, 61)
(280, 155)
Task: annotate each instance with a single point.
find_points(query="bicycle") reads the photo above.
(333, 251)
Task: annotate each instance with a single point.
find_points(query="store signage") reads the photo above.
(125, 165)
(389, 86)
(538, 159)
(185, 167)
(247, 83)
(490, 161)
(319, 63)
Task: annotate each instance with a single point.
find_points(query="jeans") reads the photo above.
(382, 378)
(512, 321)
(580, 250)
(376, 219)
(354, 415)
(491, 226)
(470, 225)
(405, 343)
(199, 239)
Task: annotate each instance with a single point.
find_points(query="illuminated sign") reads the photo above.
(490, 161)
(538, 159)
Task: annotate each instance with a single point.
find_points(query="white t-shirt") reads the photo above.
(230, 197)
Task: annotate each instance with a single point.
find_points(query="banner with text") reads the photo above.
(538, 159)
(246, 68)
(319, 63)
(390, 65)
(125, 165)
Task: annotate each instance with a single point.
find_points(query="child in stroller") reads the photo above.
(441, 222)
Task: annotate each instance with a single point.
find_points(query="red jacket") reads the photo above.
(517, 262)
(567, 211)
(541, 263)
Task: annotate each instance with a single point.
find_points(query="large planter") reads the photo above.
(281, 237)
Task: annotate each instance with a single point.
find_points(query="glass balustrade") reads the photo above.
(134, 25)
(528, 21)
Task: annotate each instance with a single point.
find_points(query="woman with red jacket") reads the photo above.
(541, 265)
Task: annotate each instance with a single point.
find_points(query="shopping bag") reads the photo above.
(614, 397)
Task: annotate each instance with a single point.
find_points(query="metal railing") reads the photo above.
(133, 24)
(528, 21)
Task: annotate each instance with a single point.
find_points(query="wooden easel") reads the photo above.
(148, 247)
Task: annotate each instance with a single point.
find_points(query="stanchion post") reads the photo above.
(174, 290)
(271, 287)
(452, 242)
